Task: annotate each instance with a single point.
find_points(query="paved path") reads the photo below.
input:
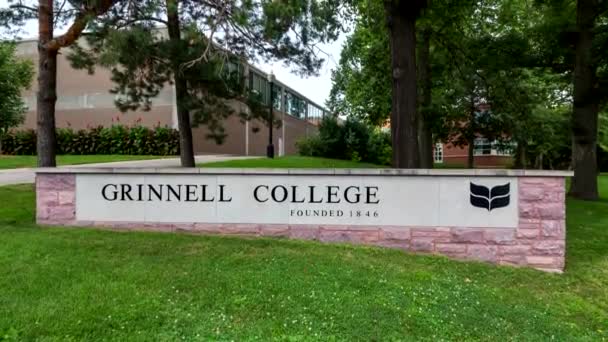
(19, 176)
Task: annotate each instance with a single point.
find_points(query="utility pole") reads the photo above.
(270, 148)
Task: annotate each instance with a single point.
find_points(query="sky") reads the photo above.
(316, 88)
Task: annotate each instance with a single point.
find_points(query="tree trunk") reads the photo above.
(181, 88)
(521, 159)
(47, 87)
(425, 136)
(401, 20)
(586, 107)
(471, 133)
(471, 154)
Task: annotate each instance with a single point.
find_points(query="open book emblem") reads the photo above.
(484, 197)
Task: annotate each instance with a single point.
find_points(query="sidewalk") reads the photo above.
(26, 175)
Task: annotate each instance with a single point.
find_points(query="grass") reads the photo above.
(290, 162)
(13, 162)
(84, 284)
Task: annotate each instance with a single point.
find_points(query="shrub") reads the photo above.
(136, 140)
(351, 140)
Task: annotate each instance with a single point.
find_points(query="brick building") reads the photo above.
(85, 101)
(486, 154)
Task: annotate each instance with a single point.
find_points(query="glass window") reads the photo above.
(259, 85)
(482, 146)
(276, 96)
(438, 153)
(315, 114)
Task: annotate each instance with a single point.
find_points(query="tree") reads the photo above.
(206, 45)
(15, 75)
(49, 13)
(586, 104)
(363, 81)
(401, 18)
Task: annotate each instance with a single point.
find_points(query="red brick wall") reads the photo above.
(458, 156)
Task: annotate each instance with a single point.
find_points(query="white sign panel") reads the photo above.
(438, 201)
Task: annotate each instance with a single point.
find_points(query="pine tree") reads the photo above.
(206, 45)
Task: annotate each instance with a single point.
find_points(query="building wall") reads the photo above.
(458, 156)
(84, 100)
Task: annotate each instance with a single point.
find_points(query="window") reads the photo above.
(259, 85)
(438, 153)
(483, 146)
(315, 114)
(486, 147)
(295, 106)
(276, 96)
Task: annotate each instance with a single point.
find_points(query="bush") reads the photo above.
(352, 140)
(136, 140)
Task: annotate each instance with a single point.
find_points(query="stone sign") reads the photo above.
(299, 199)
(500, 216)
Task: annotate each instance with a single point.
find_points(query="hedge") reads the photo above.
(135, 140)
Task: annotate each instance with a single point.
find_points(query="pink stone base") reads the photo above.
(538, 241)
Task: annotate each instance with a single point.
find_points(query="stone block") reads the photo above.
(450, 248)
(395, 234)
(513, 260)
(304, 232)
(47, 198)
(67, 197)
(396, 244)
(62, 213)
(521, 250)
(240, 229)
(532, 193)
(500, 236)
(553, 228)
(420, 244)
(354, 236)
(551, 211)
(56, 182)
(431, 233)
(483, 253)
(549, 247)
(207, 228)
(183, 227)
(467, 235)
(529, 223)
(527, 233)
(545, 261)
(528, 210)
(275, 230)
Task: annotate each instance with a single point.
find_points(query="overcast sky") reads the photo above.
(315, 88)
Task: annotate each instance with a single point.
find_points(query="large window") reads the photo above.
(295, 105)
(438, 153)
(315, 114)
(276, 96)
(483, 146)
(259, 86)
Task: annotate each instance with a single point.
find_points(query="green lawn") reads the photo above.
(290, 162)
(85, 284)
(13, 162)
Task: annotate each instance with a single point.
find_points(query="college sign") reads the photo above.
(300, 199)
(499, 216)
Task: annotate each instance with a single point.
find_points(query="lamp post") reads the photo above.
(270, 147)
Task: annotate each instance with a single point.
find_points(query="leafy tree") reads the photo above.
(77, 15)
(206, 44)
(15, 75)
(571, 40)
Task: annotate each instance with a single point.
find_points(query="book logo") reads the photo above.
(490, 199)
